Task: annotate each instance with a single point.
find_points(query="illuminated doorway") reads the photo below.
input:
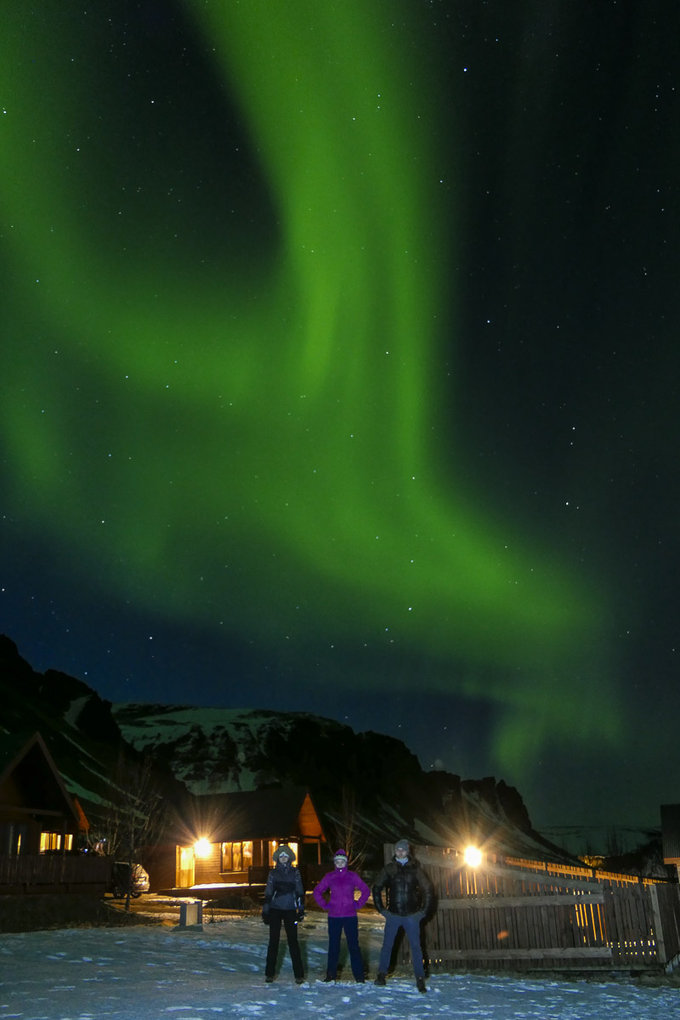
(186, 860)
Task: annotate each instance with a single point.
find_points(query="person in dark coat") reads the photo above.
(408, 896)
(336, 893)
(284, 904)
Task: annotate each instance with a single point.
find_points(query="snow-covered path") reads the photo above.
(143, 972)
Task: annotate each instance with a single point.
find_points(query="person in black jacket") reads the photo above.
(408, 900)
(284, 903)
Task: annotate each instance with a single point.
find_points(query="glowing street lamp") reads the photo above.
(472, 856)
(202, 848)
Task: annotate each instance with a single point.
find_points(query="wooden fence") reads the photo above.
(520, 914)
(55, 873)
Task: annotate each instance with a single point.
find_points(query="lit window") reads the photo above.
(49, 841)
(237, 856)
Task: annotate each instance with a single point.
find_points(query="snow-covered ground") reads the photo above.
(187, 974)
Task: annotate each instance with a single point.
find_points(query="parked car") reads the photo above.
(128, 878)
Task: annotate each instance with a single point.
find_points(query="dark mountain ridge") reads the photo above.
(78, 728)
(368, 783)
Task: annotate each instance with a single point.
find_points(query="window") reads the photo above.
(237, 856)
(50, 841)
(10, 839)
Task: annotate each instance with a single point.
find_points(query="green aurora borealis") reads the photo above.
(245, 423)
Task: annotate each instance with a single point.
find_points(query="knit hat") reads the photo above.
(340, 853)
(402, 844)
(283, 849)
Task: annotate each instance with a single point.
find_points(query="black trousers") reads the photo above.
(287, 918)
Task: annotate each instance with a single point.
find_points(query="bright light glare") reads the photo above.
(472, 856)
(202, 848)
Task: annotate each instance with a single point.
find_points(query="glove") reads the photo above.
(265, 915)
(299, 908)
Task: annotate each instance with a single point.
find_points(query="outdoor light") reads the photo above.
(472, 856)
(202, 847)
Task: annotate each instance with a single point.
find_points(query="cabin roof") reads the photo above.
(254, 814)
(27, 762)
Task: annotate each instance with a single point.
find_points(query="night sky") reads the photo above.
(339, 372)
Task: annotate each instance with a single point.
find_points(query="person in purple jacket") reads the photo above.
(336, 894)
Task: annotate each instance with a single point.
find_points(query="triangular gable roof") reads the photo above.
(42, 783)
(253, 814)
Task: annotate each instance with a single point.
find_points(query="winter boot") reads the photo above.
(420, 985)
(380, 980)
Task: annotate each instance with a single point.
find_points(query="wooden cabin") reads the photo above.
(37, 815)
(230, 838)
(40, 824)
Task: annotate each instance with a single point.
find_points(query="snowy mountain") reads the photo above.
(367, 781)
(371, 777)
